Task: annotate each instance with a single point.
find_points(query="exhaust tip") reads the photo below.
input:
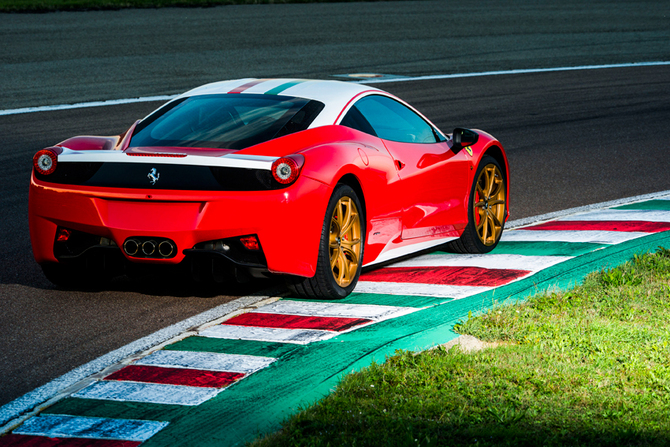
(131, 247)
(166, 248)
(148, 248)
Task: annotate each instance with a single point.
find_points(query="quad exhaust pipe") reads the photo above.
(147, 247)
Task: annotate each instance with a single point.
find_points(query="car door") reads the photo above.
(433, 180)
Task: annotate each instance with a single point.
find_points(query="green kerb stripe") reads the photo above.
(663, 205)
(542, 248)
(225, 346)
(384, 300)
(281, 88)
(72, 406)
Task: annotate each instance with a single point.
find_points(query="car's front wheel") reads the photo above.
(340, 249)
(486, 211)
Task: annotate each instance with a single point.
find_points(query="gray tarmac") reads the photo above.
(60, 58)
(573, 138)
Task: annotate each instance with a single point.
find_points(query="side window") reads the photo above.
(356, 120)
(393, 121)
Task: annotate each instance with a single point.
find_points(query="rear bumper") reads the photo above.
(287, 222)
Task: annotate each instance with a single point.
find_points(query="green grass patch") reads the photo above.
(87, 5)
(590, 366)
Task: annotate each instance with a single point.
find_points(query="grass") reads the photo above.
(590, 366)
(87, 5)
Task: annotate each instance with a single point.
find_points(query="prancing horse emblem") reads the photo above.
(153, 176)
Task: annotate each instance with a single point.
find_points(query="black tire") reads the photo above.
(493, 207)
(324, 284)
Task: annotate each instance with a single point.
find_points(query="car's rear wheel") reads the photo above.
(486, 210)
(340, 249)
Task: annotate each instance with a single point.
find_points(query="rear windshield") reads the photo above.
(231, 121)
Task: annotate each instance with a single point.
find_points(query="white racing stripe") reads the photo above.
(294, 336)
(394, 288)
(154, 393)
(622, 215)
(54, 426)
(597, 237)
(487, 261)
(209, 361)
(369, 311)
(227, 161)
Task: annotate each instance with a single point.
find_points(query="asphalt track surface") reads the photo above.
(573, 138)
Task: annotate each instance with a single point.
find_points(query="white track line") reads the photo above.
(81, 105)
(365, 81)
(54, 426)
(512, 72)
(150, 393)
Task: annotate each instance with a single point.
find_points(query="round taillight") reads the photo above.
(287, 169)
(45, 161)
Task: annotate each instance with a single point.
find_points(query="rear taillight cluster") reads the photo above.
(45, 161)
(287, 169)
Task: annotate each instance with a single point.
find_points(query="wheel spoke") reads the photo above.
(344, 268)
(334, 254)
(345, 241)
(351, 254)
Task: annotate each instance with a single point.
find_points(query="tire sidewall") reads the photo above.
(323, 271)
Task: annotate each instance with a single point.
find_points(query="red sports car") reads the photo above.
(308, 179)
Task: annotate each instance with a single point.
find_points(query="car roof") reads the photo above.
(335, 95)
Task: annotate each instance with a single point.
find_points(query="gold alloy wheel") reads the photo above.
(345, 241)
(489, 204)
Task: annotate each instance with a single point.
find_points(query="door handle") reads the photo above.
(399, 164)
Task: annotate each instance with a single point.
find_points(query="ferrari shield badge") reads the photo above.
(153, 176)
(468, 149)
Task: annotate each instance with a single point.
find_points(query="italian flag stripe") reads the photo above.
(12, 440)
(246, 86)
(280, 88)
(56, 426)
(454, 276)
(595, 225)
(270, 320)
(175, 376)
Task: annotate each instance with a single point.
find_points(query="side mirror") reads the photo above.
(462, 138)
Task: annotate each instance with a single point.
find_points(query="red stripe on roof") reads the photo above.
(281, 321)
(175, 376)
(453, 276)
(43, 441)
(564, 225)
(246, 86)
